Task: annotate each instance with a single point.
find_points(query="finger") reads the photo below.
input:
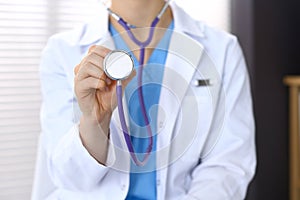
(91, 48)
(91, 66)
(76, 69)
(91, 71)
(80, 65)
(112, 101)
(131, 76)
(96, 55)
(91, 83)
(95, 59)
(99, 50)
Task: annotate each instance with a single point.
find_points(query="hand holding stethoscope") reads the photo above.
(96, 96)
(95, 91)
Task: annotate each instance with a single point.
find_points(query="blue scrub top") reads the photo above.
(143, 178)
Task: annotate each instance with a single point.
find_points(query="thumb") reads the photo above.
(126, 81)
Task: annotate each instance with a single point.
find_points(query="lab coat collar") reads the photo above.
(180, 67)
(97, 29)
(184, 24)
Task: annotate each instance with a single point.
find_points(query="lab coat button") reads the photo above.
(158, 182)
(161, 124)
(123, 187)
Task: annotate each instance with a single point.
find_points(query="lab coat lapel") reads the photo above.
(183, 57)
(180, 67)
(182, 61)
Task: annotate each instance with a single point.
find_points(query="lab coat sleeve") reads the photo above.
(69, 164)
(226, 171)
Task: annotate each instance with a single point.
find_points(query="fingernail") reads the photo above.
(92, 47)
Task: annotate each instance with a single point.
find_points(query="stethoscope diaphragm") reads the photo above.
(118, 65)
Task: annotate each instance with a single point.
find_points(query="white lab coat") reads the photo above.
(206, 133)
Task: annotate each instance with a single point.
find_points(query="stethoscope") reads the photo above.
(118, 65)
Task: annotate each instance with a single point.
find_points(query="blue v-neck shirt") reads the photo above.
(143, 178)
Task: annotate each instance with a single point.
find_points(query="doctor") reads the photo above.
(197, 96)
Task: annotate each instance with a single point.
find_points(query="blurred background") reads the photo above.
(268, 32)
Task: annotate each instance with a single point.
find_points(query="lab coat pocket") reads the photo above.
(196, 116)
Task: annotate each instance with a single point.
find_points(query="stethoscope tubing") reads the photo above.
(119, 92)
(142, 45)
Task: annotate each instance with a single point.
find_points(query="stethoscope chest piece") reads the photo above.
(118, 65)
